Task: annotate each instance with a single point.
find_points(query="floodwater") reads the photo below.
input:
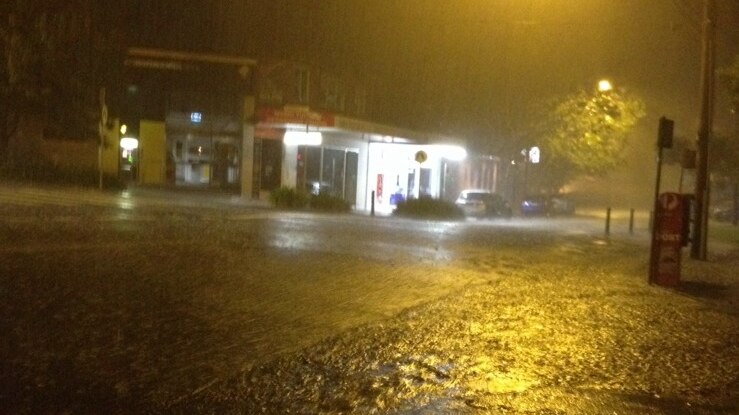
(240, 310)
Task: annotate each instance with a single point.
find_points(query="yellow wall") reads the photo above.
(152, 152)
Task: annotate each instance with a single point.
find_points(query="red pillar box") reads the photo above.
(664, 264)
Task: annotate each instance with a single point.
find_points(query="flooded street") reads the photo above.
(225, 310)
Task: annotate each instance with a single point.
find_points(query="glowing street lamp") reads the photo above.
(604, 85)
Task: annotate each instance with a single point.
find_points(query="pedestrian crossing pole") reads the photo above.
(102, 126)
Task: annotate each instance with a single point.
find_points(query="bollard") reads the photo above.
(372, 204)
(608, 221)
(631, 222)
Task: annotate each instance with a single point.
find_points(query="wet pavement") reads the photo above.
(240, 309)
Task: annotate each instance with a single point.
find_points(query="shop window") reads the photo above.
(350, 182)
(312, 164)
(332, 178)
(425, 183)
(327, 170)
(226, 162)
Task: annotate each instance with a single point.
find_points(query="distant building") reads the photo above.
(231, 123)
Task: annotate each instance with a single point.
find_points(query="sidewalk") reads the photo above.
(195, 197)
(23, 194)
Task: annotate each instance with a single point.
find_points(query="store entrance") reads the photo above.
(203, 161)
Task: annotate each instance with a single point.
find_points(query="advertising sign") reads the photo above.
(295, 115)
(380, 181)
(667, 241)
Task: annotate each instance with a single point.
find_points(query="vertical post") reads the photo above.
(102, 126)
(608, 221)
(664, 140)
(698, 248)
(100, 162)
(246, 165)
(631, 221)
(525, 172)
(372, 204)
(654, 218)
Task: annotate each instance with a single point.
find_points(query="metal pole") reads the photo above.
(700, 232)
(102, 126)
(100, 162)
(654, 219)
(608, 221)
(372, 204)
(631, 221)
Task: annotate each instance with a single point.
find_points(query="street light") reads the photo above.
(604, 85)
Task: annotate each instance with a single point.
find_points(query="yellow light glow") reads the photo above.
(303, 138)
(129, 143)
(450, 152)
(604, 85)
(124, 128)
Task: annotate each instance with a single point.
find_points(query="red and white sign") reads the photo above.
(380, 181)
(296, 115)
(667, 241)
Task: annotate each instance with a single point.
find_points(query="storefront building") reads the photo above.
(227, 123)
(354, 159)
(184, 118)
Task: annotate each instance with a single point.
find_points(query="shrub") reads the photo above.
(326, 202)
(428, 208)
(38, 170)
(288, 198)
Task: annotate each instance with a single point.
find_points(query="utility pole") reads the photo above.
(102, 127)
(698, 249)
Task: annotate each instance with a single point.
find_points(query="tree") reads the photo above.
(54, 57)
(731, 75)
(585, 133)
(724, 150)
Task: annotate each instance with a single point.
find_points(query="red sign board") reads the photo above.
(667, 240)
(379, 187)
(296, 115)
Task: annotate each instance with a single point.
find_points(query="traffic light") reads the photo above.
(666, 128)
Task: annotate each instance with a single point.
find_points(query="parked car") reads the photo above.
(560, 205)
(534, 205)
(547, 205)
(481, 203)
(723, 211)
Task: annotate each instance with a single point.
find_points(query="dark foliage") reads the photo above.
(288, 198)
(326, 202)
(428, 208)
(41, 171)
